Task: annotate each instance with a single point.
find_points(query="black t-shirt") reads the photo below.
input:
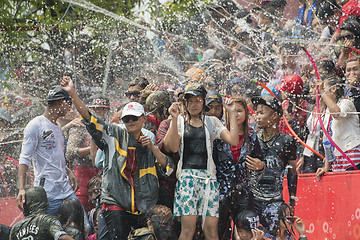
(277, 152)
(39, 227)
(195, 153)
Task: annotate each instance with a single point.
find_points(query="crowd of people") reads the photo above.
(204, 157)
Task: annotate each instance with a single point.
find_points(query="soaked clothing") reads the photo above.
(125, 194)
(78, 138)
(40, 227)
(277, 152)
(116, 188)
(43, 145)
(233, 173)
(74, 232)
(37, 224)
(315, 140)
(166, 184)
(195, 196)
(233, 179)
(195, 156)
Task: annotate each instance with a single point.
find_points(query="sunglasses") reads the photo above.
(135, 94)
(129, 118)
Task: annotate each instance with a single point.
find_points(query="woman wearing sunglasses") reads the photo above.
(192, 134)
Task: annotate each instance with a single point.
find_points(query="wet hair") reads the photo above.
(282, 218)
(159, 212)
(139, 81)
(328, 65)
(327, 9)
(352, 25)
(71, 212)
(187, 113)
(336, 81)
(353, 59)
(94, 181)
(243, 103)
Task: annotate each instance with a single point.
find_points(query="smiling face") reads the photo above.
(353, 73)
(244, 235)
(195, 105)
(134, 126)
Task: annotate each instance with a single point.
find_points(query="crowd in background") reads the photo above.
(196, 148)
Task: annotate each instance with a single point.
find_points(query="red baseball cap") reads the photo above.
(292, 84)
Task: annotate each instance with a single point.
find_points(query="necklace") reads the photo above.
(269, 142)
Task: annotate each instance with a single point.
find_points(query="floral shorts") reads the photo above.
(190, 194)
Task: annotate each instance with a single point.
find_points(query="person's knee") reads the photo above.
(211, 228)
(188, 231)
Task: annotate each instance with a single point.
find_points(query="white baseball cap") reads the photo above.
(133, 109)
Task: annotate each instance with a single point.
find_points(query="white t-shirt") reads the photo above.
(44, 145)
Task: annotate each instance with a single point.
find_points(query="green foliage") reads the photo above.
(36, 32)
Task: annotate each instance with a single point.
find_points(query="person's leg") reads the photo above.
(118, 227)
(211, 228)
(224, 218)
(103, 232)
(54, 206)
(188, 224)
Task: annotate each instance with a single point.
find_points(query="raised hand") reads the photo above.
(299, 225)
(67, 84)
(174, 110)
(229, 105)
(257, 234)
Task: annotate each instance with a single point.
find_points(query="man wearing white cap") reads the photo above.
(132, 162)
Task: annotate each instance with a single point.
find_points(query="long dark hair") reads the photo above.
(243, 103)
(71, 212)
(282, 218)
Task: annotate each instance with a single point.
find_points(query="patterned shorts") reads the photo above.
(190, 194)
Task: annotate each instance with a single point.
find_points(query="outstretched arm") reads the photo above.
(172, 137)
(232, 136)
(68, 85)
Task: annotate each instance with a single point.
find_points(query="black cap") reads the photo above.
(195, 89)
(99, 101)
(213, 96)
(57, 93)
(247, 220)
(269, 101)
